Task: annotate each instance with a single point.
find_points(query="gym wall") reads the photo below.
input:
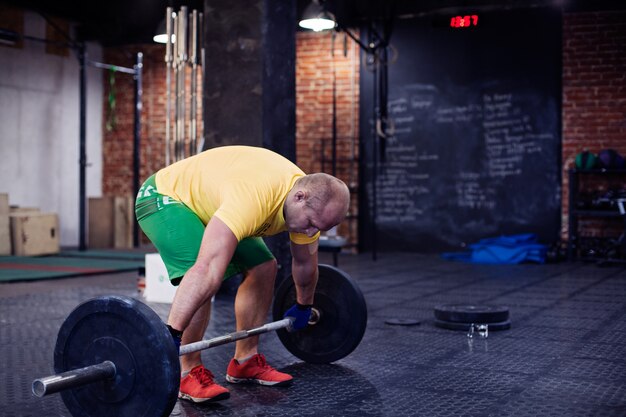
(475, 148)
(39, 125)
(593, 61)
(594, 99)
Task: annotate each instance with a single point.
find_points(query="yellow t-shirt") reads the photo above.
(243, 186)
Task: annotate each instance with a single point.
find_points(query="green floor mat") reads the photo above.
(135, 255)
(17, 268)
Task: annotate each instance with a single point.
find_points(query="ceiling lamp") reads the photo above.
(160, 35)
(316, 18)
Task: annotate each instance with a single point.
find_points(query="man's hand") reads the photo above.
(301, 314)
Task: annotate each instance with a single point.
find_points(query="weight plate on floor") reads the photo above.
(464, 313)
(465, 326)
(132, 336)
(342, 322)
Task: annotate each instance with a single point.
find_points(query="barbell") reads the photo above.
(114, 356)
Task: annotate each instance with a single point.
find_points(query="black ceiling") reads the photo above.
(120, 22)
(110, 22)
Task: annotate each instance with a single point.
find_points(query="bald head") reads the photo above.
(326, 195)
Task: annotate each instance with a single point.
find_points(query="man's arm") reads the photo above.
(304, 271)
(204, 278)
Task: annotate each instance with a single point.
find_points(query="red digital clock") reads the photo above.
(464, 21)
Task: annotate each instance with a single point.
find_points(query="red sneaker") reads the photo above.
(255, 370)
(198, 386)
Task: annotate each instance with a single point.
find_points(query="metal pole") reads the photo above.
(200, 145)
(334, 137)
(176, 85)
(168, 81)
(382, 86)
(182, 91)
(137, 137)
(82, 152)
(102, 65)
(194, 83)
(231, 337)
(375, 153)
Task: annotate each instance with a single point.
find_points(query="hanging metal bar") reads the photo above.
(374, 151)
(111, 67)
(168, 81)
(200, 144)
(194, 82)
(176, 85)
(182, 91)
(334, 111)
(82, 158)
(137, 136)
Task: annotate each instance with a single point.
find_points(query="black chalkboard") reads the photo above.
(476, 148)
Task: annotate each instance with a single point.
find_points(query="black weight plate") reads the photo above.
(133, 337)
(343, 317)
(463, 313)
(504, 325)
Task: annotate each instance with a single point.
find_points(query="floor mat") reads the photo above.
(17, 268)
(134, 255)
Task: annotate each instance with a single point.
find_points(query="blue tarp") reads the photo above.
(513, 249)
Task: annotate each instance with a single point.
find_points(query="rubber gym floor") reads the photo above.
(564, 355)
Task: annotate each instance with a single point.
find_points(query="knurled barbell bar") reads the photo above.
(114, 355)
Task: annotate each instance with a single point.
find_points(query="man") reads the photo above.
(206, 215)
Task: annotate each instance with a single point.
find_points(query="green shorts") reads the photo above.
(176, 233)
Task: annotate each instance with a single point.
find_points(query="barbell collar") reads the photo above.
(74, 378)
(315, 316)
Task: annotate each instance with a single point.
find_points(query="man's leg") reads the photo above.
(252, 304)
(197, 382)
(194, 333)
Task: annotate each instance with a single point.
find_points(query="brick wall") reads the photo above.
(320, 58)
(594, 100)
(118, 140)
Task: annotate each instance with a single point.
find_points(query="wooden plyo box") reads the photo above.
(34, 233)
(23, 210)
(5, 225)
(111, 221)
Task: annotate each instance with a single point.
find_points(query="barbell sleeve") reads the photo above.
(169, 22)
(231, 337)
(74, 378)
